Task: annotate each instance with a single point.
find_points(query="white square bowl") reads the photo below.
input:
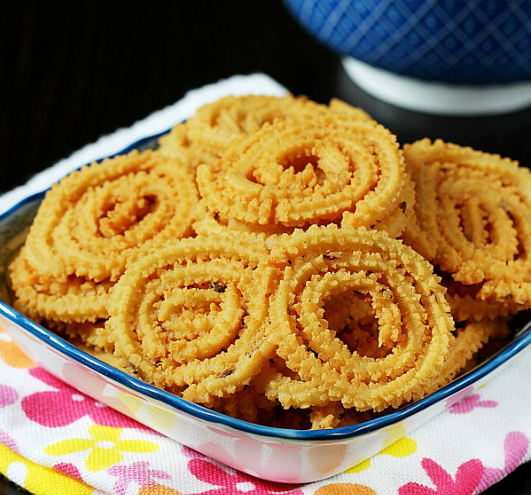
(283, 455)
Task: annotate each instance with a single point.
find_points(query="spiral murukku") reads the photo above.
(251, 263)
(467, 343)
(92, 335)
(473, 220)
(190, 316)
(90, 224)
(413, 320)
(329, 167)
(248, 405)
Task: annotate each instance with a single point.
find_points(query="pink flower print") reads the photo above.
(469, 403)
(70, 470)
(237, 483)
(137, 473)
(8, 396)
(515, 446)
(467, 479)
(6, 440)
(63, 406)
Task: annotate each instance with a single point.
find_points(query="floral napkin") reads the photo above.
(54, 439)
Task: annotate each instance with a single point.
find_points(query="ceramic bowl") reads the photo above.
(290, 456)
(436, 56)
(477, 42)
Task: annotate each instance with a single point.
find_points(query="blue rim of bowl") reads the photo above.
(197, 411)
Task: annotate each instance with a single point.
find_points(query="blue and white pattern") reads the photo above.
(455, 41)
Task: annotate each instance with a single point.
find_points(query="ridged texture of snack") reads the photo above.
(215, 126)
(190, 316)
(251, 264)
(413, 321)
(90, 224)
(473, 220)
(327, 167)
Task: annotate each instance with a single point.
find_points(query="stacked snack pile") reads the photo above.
(284, 262)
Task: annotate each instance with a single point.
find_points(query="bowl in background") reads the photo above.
(438, 56)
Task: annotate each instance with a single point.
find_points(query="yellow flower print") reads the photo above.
(106, 449)
(41, 479)
(395, 444)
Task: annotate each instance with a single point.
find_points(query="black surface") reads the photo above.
(74, 74)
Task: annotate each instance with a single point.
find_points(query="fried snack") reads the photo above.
(177, 145)
(208, 222)
(327, 167)
(90, 224)
(92, 335)
(326, 417)
(215, 126)
(219, 124)
(468, 341)
(408, 303)
(473, 220)
(280, 295)
(190, 317)
(467, 305)
(46, 299)
(248, 405)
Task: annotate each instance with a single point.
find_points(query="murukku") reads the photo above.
(215, 126)
(468, 341)
(190, 316)
(319, 169)
(248, 405)
(177, 145)
(466, 304)
(47, 299)
(90, 224)
(473, 220)
(92, 335)
(413, 320)
(219, 124)
(251, 264)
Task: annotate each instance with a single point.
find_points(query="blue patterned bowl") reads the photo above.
(453, 41)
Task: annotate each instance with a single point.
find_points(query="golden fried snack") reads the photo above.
(326, 417)
(408, 303)
(177, 145)
(473, 220)
(467, 305)
(91, 335)
(248, 405)
(45, 298)
(190, 316)
(317, 169)
(280, 295)
(217, 125)
(467, 343)
(208, 222)
(90, 224)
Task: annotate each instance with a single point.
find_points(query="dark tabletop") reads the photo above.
(82, 71)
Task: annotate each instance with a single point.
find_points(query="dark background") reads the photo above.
(82, 71)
